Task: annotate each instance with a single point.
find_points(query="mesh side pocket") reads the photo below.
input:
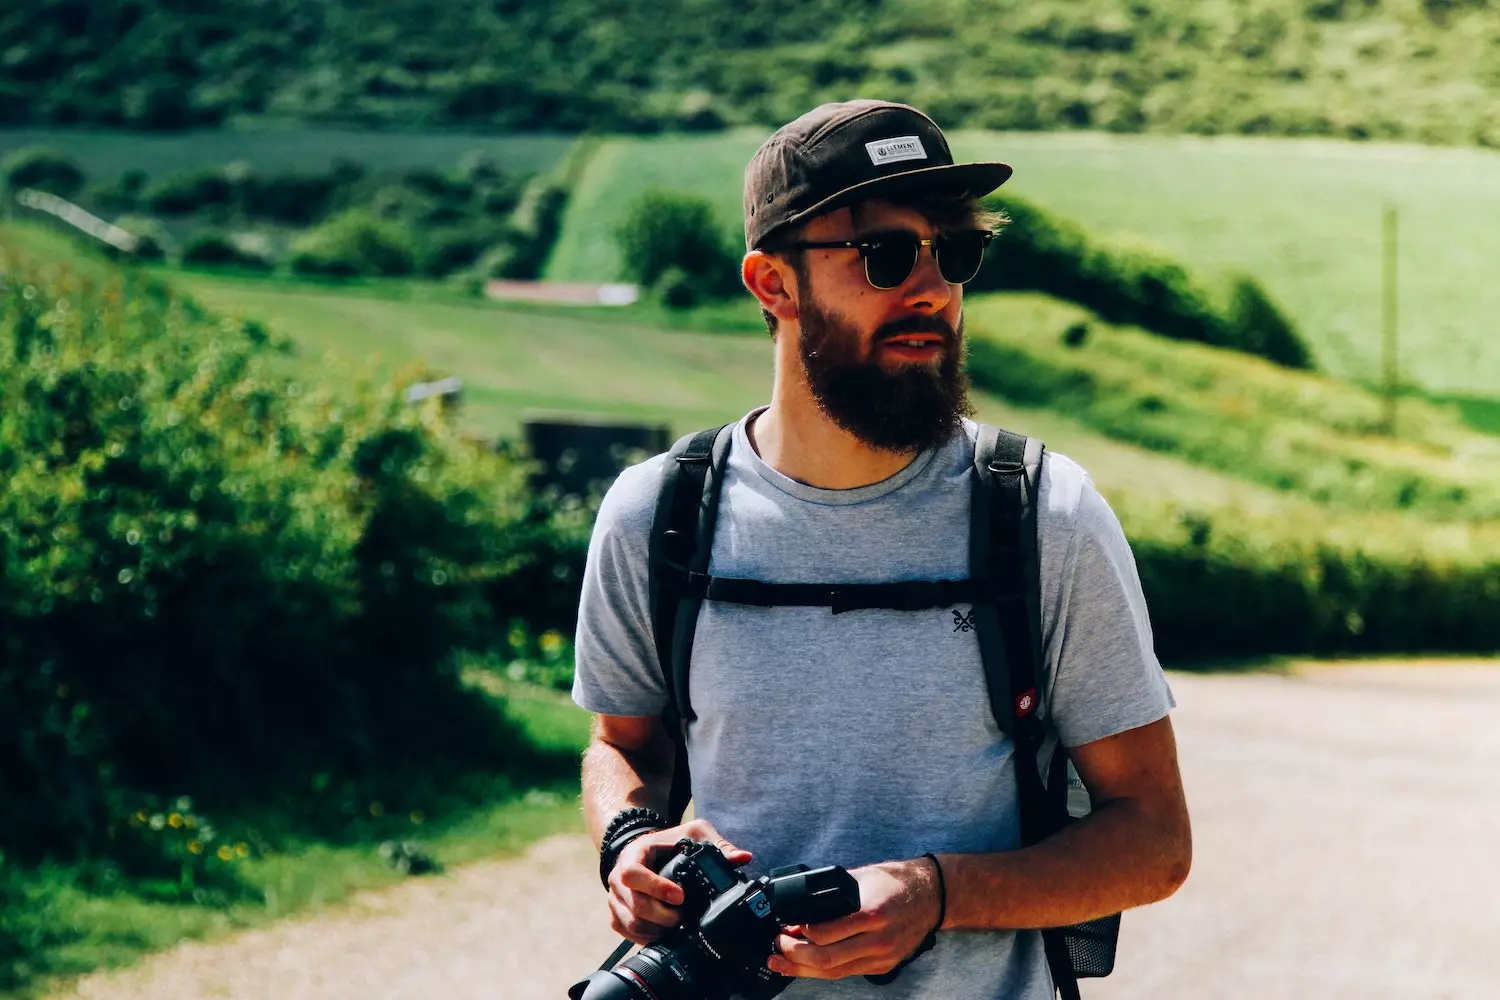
(1091, 946)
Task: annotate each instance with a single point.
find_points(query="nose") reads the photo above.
(926, 289)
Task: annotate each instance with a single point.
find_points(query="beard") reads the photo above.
(912, 408)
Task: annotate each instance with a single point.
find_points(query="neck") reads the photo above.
(799, 441)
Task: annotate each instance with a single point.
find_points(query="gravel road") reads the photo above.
(1344, 822)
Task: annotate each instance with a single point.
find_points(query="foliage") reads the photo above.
(1296, 432)
(672, 242)
(1229, 584)
(216, 249)
(43, 169)
(1136, 286)
(355, 243)
(210, 568)
(1347, 68)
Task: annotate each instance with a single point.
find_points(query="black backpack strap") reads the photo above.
(1003, 550)
(682, 536)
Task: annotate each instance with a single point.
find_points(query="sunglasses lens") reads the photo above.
(888, 262)
(960, 254)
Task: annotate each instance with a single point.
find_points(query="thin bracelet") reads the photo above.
(942, 891)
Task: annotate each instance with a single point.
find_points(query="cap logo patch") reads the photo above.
(903, 147)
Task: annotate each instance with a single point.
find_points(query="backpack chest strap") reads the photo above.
(906, 595)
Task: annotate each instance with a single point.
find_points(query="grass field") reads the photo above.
(1302, 216)
(80, 928)
(104, 155)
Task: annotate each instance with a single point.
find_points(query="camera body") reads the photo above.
(729, 923)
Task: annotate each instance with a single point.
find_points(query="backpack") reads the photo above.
(1004, 588)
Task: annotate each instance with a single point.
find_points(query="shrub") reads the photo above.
(664, 231)
(445, 251)
(355, 243)
(534, 227)
(216, 249)
(188, 191)
(1135, 286)
(211, 571)
(293, 197)
(43, 169)
(153, 240)
(1231, 584)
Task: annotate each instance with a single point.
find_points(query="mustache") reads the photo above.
(918, 323)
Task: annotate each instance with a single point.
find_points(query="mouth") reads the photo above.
(913, 346)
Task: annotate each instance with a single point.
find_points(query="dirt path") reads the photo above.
(1344, 821)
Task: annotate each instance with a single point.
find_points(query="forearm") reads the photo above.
(616, 778)
(1120, 856)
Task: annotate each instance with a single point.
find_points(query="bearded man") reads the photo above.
(865, 738)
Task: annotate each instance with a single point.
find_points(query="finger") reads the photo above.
(643, 907)
(834, 931)
(808, 958)
(643, 880)
(702, 829)
(628, 925)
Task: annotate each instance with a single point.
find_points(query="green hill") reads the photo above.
(1304, 217)
(1413, 69)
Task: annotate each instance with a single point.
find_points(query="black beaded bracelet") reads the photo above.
(626, 825)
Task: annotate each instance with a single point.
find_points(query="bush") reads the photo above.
(445, 251)
(534, 227)
(665, 231)
(43, 169)
(153, 240)
(1232, 584)
(216, 579)
(355, 243)
(1137, 286)
(189, 191)
(293, 197)
(216, 249)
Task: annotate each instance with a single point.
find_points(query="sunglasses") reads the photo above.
(891, 257)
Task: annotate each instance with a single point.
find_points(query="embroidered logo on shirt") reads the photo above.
(962, 622)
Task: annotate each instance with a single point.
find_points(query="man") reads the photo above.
(865, 739)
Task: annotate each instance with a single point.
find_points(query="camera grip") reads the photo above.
(812, 897)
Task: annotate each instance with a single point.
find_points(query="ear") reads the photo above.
(773, 284)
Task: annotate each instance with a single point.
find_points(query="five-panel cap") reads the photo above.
(838, 154)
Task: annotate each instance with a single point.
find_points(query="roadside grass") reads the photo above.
(76, 924)
(1302, 433)
(1302, 216)
(104, 155)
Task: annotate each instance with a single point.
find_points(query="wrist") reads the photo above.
(940, 886)
(623, 827)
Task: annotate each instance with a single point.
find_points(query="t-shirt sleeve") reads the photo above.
(615, 668)
(1106, 678)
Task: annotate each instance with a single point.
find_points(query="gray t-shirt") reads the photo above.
(867, 736)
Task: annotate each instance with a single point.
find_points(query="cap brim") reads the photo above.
(968, 180)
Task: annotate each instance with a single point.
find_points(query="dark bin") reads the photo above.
(580, 457)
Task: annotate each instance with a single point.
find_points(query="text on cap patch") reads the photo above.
(903, 147)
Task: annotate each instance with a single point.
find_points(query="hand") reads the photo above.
(898, 908)
(643, 904)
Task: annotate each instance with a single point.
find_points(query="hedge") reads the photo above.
(218, 580)
(1040, 252)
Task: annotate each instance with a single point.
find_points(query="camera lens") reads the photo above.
(642, 976)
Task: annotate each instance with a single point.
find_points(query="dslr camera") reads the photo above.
(729, 923)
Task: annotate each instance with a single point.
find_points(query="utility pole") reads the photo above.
(1388, 320)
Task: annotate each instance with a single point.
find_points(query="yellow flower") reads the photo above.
(175, 821)
(226, 853)
(243, 850)
(196, 846)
